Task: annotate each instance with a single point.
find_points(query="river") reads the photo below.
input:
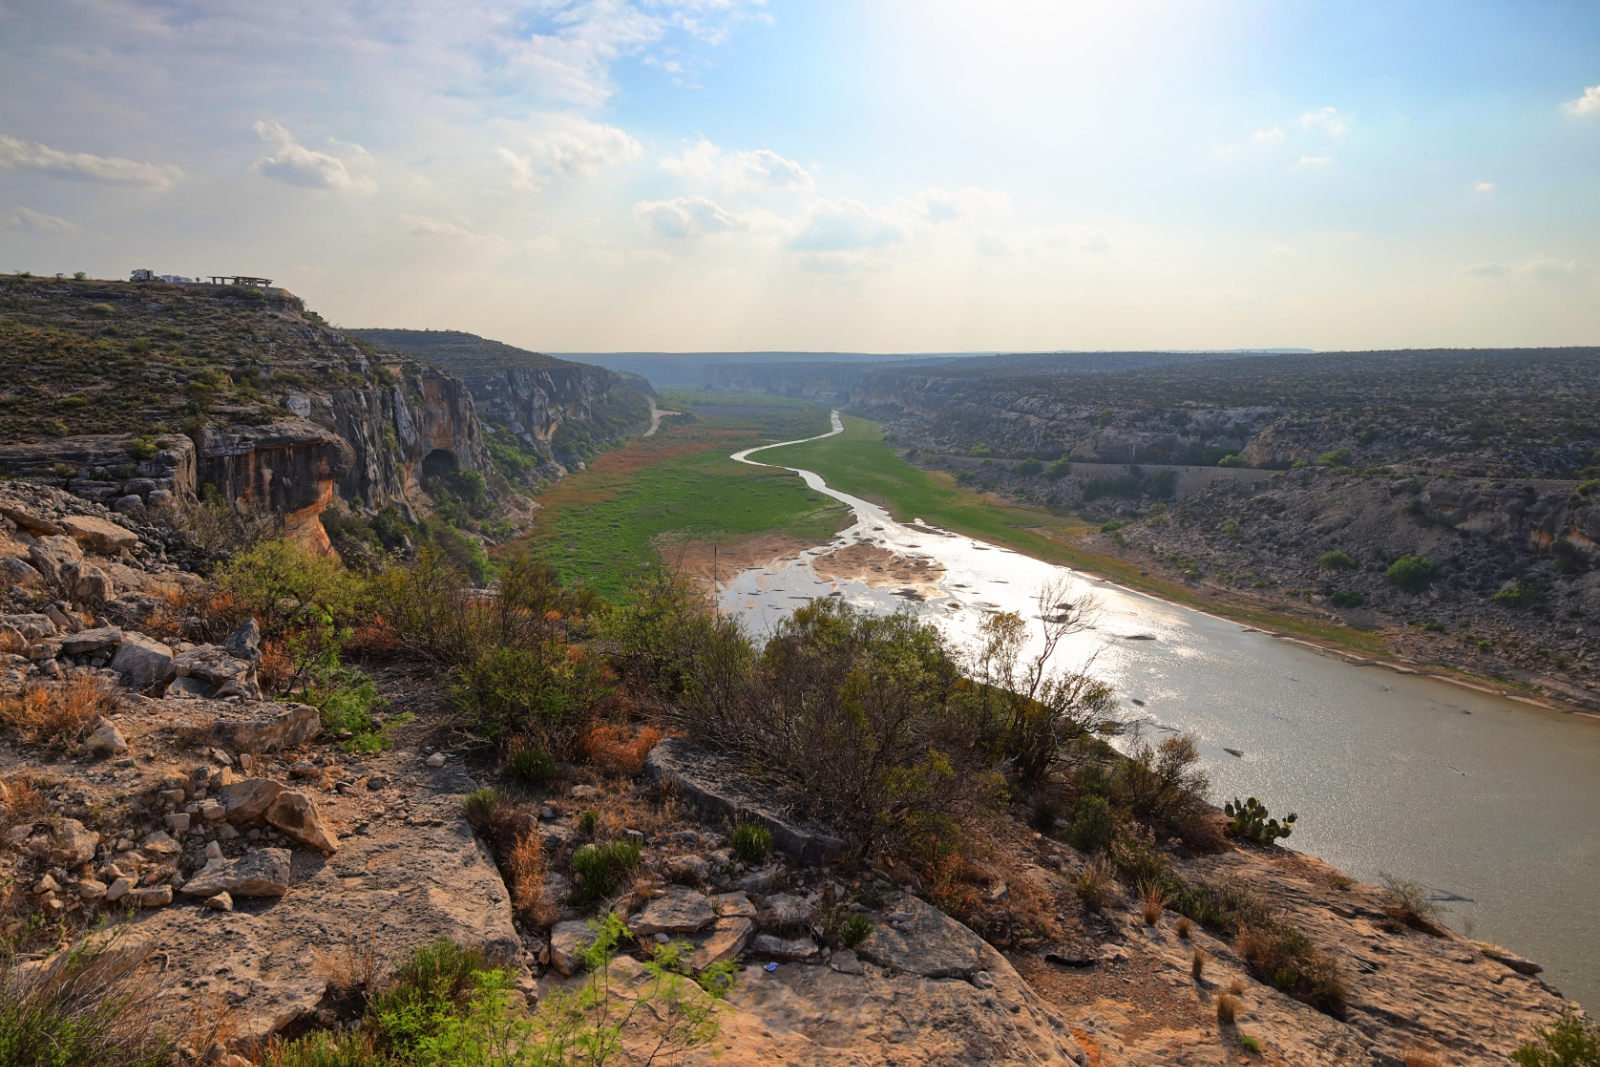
(1492, 804)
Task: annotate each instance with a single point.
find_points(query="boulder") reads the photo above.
(32, 627)
(90, 890)
(107, 741)
(846, 962)
(735, 905)
(224, 673)
(920, 939)
(87, 583)
(248, 800)
(144, 663)
(84, 642)
(72, 844)
(50, 554)
(245, 643)
(99, 536)
(220, 902)
(262, 873)
(132, 609)
(680, 910)
(568, 941)
(65, 623)
(720, 789)
(785, 910)
(160, 843)
(800, 950)
(266, 726)
(723, 942)
(296, 815)
(118, 889)
(155, 896)
(14, 571)
(27, 520)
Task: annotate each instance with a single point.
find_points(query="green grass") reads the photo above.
(601, 525)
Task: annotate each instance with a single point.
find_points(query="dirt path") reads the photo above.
(655, 417)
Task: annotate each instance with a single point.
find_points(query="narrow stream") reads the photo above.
(1493, 804)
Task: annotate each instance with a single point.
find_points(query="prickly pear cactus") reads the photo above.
(1250, 822)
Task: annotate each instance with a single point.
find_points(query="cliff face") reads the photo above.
(543, 415)
(240, 390)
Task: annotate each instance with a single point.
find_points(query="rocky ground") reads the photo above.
(257, 863)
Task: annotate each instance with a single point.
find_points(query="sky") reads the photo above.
(863, 175)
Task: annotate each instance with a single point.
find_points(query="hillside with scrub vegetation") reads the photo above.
(292, 812)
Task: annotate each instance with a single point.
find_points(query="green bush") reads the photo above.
(1249, 1044)
(1114, 525)
(1338, 457)
(276, 580)
(142, 448)
(480, 805)
(1028, 468)
(1336, 561)
(979, 451)
(545, 693)
(857, 928)
(1571, 1042)
(346, 699)
(1093, 825)
(1412, 573)
(1058, 470)
(1232, 460)
(588, 821)
(1250, 822)
(83, 1006)
(599, 870)
(1346, 599)
(1519, 594)
(1106, 415)
(751, 842)
(531, 764)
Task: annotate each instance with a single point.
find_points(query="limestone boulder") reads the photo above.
(72, 844)
(722, 943)
(245, 643)
(248, 800)
(144, 663)
(783, 910)
(34, 524)
(920, 939)
(797, 950)
(296, 815)
(262, 873)
(85, 642)
(107, 741)
(680, 910)
(221, 672)
(568, 942)
(32, 626)
(87, 584)
(100, 536)
(14, 571)
(49, 554)
(265, 727)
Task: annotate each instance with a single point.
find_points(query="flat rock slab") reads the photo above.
(396, 885)
(798, 949)
(720, 790)
(86, 641)
(143, 662)
(264, 726)
(916, 937)
(680, 910)
(262, 873)
(100, 536)
(722, 943)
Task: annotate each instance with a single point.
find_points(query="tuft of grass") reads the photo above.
(58, 713)
(1227, 1009)
(857, 928)
(1183, 928)
(480, 805)
(1249, 1044)
(1152, 898)
(530, 764)
(751, 843)
(600, 870)
(1095, 886)
(589, 821)
(1197, 963)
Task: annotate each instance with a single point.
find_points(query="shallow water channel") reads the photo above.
(1492, 804)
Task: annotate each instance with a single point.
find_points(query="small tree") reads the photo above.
(1412, 573)
(1572, 1042)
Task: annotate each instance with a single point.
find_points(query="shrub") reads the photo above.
(1161, 783)
(599, 870)
(979, 451)
(1338, 457)
(1347, 599)
(1227, 1009)
(1519, 594)
(1571, 1042)
(531, 764)
(1249, 1044)
(1028, 468)
(1105, 418)
(1412, 573)
(1250, 822)
(1093, 826)
(546, 693)
(1411, 904)
(588, 821)
(60, 713)
(276, 580)
(1336, 561)
(1058, 470)
(619, 749)
(1232, 460)
(479, 805)
(1046, 817)
(751, 842)
(83, 1006)
(1282, 956)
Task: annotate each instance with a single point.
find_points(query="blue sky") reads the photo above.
(893, 176)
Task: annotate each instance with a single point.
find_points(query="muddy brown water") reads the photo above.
(1492, 804)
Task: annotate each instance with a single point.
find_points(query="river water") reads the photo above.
(1492, 804)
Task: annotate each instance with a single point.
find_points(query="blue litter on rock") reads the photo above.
(769, 968)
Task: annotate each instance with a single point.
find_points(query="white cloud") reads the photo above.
(841, 225)
(688, 216)
(944, 205)
(1097, 243)
(1540, 268)
(1587, 104)
(567, 147)
(294, 164)
(760, 171)
(81, 166)
(41, 225)
(1483, 187)
(423, 226)
(1328, 120)
(1314, 161)
(1272, 136)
